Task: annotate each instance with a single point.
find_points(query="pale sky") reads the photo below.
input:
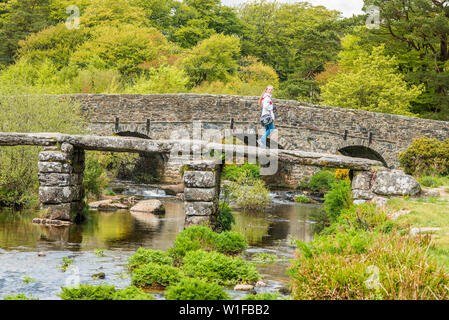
(347, 7)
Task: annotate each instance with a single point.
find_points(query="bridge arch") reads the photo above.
(361, 151)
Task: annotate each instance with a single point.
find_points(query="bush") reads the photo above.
(103, 292)
(233, 172)
(225, 218)
(338, 198)
(196, 289)
(320, 182)
(248, 193)
(426, 156)
(200, 237)
(95, 178)
(219, 268)
(145, 256)
(21, 110)
(302, 199)
(230, 242)
(364, 265)
(153, 275)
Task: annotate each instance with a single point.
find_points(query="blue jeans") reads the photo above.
(268, 130)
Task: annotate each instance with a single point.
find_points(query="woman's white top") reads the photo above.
(267, 105)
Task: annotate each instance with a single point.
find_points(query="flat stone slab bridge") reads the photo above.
(62, 161)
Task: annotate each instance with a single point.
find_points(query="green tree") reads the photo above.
(416, 31)
(18, 19)
(213, 59)
(370, 82)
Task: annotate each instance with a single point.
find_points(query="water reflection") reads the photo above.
(120, 233)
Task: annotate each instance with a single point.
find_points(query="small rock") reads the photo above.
(379, 201)
(357, 202)
(260, 283)
(99, 275)
(285, 291)
(173, 190)
(149, 206)
(109, 204)
(395, 215)
(416, 231)
(430, 193)
(243, 287)
(41, 254)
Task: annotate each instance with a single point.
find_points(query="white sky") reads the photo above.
(347, 7)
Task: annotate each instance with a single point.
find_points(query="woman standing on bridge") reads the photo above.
(267, 116)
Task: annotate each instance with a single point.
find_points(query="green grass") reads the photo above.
(433, 181)
(302, 199)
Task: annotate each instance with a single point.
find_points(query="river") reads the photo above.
(31, 255)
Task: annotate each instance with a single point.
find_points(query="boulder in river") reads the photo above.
(149, 206)
(174, 189)
(108, 204)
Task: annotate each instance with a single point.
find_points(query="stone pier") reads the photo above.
(61, 190)
(201, 194)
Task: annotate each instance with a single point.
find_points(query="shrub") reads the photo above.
(196, 289)
(230, 242)
(433, 182)
(233, 172)
(338, 198)
(342, 174)
(225, 218)
(219, 268)
(263, 296)
(200, 237)
(145, 256)
(153, 275)
(302, 199)
(95, 178)
(367, 266)
(426, 156)
(21, 110)
(103, 292)
(249, 194)
(320, 182)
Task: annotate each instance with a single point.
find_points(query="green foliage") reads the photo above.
(154, 275)
(263, 296)
(372, 83)
(233, 172)
(21, 111)
(213, 59)
(219, 268)
(103, 292)
(144, 256)
(302, 199)
(426, 156)
(363, 265)
(249, 193)
(66, 262)
(433, 182)
(338, 198)
(99, 252)
(19, 296)
(196, 289)
(95, 178)
(199, 237)
(28, 279)
(320, 182)
(225, 218)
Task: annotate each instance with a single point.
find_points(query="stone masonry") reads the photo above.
(201, 194)
(61, 189)
(300, 126)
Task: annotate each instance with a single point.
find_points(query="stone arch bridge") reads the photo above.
(300, 126)
(62, 161)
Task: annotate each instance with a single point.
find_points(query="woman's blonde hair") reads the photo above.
(261, 97)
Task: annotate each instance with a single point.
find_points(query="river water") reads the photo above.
(31, 255)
